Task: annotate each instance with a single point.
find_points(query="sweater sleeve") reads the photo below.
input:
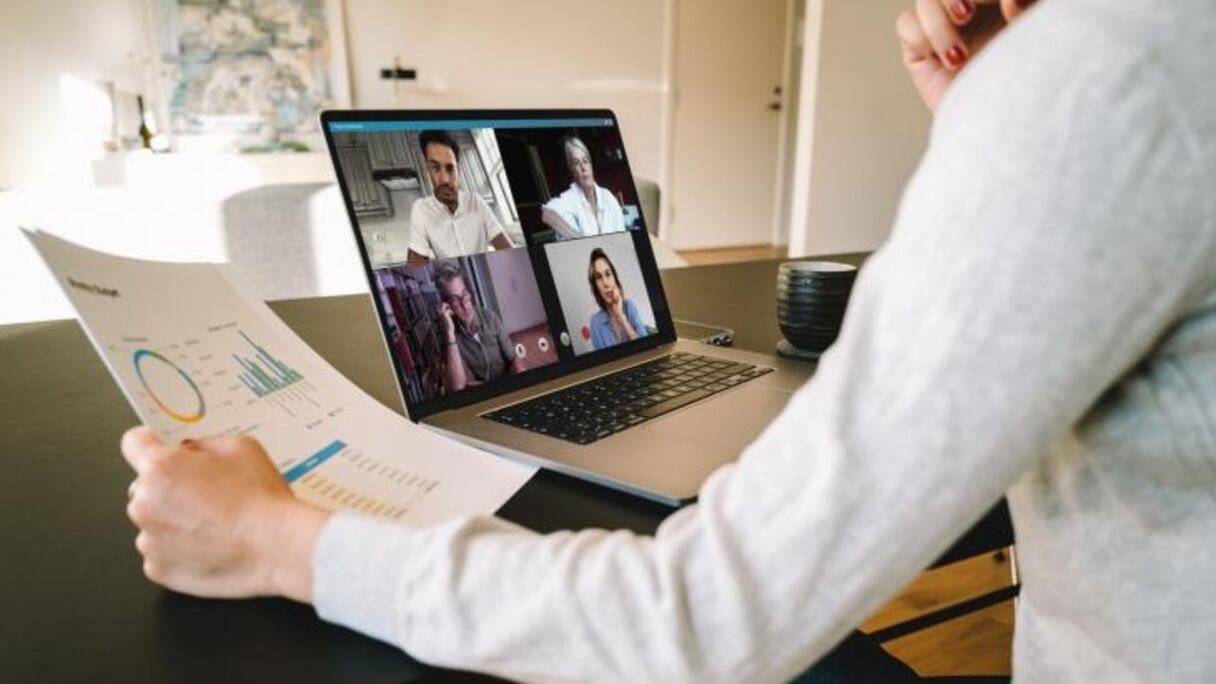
(1053, 232)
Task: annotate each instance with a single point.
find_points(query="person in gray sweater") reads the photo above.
(1041, 324)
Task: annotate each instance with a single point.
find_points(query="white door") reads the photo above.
(728, 57)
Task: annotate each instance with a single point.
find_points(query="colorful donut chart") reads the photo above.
(143, 355)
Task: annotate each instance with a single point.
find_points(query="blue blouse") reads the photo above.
(602, 335)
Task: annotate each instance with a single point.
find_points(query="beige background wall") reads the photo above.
(861, 128)
(540, 53)
(469, 53)
(39, 40)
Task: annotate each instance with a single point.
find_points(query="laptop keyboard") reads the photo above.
(601, 407)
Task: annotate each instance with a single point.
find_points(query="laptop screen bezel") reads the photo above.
(417, 411)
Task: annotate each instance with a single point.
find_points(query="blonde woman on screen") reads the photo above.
(585, 208)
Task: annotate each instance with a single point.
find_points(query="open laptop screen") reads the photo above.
(503, 248)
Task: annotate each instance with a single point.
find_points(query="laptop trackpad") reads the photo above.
(727, 421)
(675, 453)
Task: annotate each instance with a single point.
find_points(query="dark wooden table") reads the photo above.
(73, 602)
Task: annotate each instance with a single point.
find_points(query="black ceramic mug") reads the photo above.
(811, 300)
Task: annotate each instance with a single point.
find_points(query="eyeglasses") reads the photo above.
(466, 298)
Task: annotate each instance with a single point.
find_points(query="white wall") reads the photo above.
(39, 41)
(540, 53)
(861, 128)
(725, 136)
(469, 53)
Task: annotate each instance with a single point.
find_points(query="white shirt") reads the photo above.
(572, 205)
(1041, 323)
(437, 233)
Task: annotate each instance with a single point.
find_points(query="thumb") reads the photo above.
(141, 447)
(227, 444)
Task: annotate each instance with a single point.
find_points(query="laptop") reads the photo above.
(520, 303)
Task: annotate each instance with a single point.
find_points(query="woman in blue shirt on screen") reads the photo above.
(617, 320)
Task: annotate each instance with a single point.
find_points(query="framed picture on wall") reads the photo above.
(248, 75)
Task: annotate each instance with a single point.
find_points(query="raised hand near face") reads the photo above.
(938, 38)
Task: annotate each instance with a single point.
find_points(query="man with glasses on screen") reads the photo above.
(476, 347)
(453, 221)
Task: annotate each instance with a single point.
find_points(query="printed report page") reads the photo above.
(195, 356)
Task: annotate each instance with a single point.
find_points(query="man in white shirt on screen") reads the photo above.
(585, 209)
(453, 221)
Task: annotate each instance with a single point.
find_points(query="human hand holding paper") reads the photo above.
(217, 520)
(250, 432)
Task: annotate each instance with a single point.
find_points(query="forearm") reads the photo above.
(720, 594)
(453, 371)
(983, 332)
(288, 550)
(953, 373)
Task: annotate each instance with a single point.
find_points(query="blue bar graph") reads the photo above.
(312, 462)
(263, 373)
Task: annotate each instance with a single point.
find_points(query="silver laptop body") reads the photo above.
(511, 159)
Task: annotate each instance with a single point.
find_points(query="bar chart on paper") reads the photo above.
(353, 479)
(239, 385)
(264, 374)
(273, 381)
(222, 380)
(196, 357)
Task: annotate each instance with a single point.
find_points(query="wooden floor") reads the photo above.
(979, 643)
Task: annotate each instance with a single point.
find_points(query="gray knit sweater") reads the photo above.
(1042, 323)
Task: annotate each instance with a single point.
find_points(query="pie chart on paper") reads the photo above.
(169, 387)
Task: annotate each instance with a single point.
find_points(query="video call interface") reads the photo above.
(498, 247)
